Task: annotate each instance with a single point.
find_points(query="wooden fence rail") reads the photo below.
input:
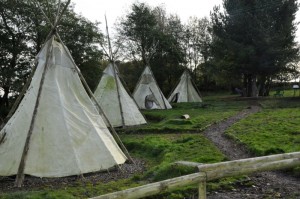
(209, 172)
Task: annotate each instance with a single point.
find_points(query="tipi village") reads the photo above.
(149, 99)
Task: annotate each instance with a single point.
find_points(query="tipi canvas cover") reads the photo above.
(116, 103)
(69, 137)
(185, 90)
(147, 94)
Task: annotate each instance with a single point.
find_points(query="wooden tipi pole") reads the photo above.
(187, 86)
(115, 75)
(20, 174)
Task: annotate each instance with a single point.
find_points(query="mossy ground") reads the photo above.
(167, 139)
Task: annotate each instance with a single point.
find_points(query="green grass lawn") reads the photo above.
(201, 116)
(160, 151)
(168, 138)
(276, 129)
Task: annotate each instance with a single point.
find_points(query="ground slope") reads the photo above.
(265, 184)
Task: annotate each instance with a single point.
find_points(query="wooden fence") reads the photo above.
(209, 172)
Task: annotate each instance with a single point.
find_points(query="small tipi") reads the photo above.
(147, 94)
(185, 91)
(56, 130)
(119, 107)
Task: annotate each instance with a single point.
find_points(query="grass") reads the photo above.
(287, 93)
(160, 151)
(275, 131)
(201, 116)
(168, 138)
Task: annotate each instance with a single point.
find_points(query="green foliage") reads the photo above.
(254, 39)
(151, 38)
(139, 27)
(23, 30)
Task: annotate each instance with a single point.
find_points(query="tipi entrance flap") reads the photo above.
(175, 98)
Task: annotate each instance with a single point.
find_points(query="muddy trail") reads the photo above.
(277, 184)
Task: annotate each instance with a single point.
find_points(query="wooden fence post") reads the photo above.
(202, 190)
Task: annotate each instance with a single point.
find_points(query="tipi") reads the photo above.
(119, 107)
(147, 94)
(56, 130)
(185, 91)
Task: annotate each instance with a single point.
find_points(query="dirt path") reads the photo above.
(261, 185)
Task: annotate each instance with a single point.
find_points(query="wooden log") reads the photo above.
(185, 116)
(155, 188)
(248, 169)
(202, 190)
(248, 161)
(187, 163)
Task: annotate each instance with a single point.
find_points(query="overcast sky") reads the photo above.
(95, 10)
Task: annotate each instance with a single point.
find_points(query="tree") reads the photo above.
(150, 36)
(138, 30)
(23, 30)
(14, 52)
(197, 43)
(168, 60)
(255, 40)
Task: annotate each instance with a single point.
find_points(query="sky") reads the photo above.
(95, 10)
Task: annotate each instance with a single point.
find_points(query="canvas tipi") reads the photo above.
(147, 94)
(119, 107)
(56, 130)
(185, 91)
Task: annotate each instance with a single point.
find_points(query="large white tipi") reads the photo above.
(119, 107)
(56, 130)
(185, 91)
(147, 94)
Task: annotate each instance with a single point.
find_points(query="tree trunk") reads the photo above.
(5, 96)
(262, 86)
(245, 80)
(254, 92)
(250, 88)
(268, 86)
